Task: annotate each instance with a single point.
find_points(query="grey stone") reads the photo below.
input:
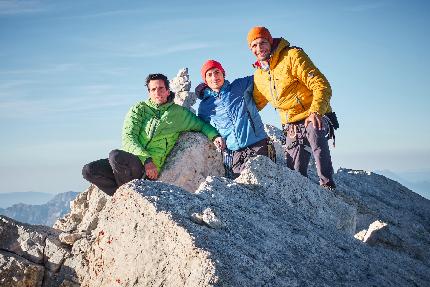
(84, 212)
(404, 214)
(302, 193)
(35, 252)
(192, 159)
(267, 233)
(70, 238)
(16, 271)
(22, 239)
(181, 85)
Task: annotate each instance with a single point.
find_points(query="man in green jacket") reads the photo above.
(151, 129)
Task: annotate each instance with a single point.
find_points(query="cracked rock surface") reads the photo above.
(32, 255)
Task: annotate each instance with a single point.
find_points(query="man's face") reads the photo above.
(214, 79)
(158, 92)
(260, 47)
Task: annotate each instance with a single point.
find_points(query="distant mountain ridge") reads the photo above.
(27, 197)
(417, 182)
(41, 214)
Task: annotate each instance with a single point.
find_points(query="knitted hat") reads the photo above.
(210, 64)
(259, 32)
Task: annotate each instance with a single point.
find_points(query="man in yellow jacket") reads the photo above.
(287, 78)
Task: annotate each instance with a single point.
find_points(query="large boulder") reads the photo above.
(192, 159)
(270, 227)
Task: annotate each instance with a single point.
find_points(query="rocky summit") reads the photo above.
(269, 227)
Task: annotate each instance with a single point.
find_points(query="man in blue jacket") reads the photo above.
(230, 108)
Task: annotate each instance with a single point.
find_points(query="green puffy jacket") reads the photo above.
(151, 131)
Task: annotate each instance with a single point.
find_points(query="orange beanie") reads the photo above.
(259, 32)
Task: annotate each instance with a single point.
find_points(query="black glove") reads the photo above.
(200, 90)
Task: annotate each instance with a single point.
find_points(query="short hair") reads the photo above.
(152, 77)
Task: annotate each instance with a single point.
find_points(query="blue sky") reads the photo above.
(71, 69)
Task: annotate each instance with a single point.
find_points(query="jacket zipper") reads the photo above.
(299, 102)
(154, 128)
(274, 97)
(229, 116)
(151, 134)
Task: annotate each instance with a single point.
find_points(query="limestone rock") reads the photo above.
(70, 238)
(207, 217)
(22, 239)
(181, 83)
(84, 212)
(271, 228)
(192, 159)
(388, 214)
(54, 253)
(181, 86)
(19, 272)
(311, 199)
(379, 234)
(32, 255)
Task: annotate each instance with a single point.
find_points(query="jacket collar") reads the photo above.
(211, 93)
(153, 105)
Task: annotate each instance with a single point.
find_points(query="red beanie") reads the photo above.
(259, 32)
(210, 64)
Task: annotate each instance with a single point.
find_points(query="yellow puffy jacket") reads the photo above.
(293, 85)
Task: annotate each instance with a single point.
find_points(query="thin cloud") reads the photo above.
(366, 7)
(169, 50)
(148, 10)
(14, 7)
(51, 107)
(68, 144)
(107, 14)
(146, 51)
(12, 84)
(47, 70)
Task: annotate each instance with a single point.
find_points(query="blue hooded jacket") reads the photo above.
(233, 113)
